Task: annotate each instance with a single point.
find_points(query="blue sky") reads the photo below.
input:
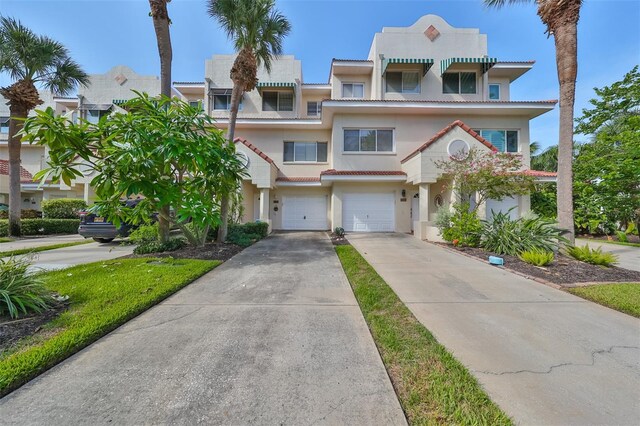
(103, 33)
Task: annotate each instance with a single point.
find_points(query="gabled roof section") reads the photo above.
(25, 176)
(540, 173)
(255, 149)
(334, 172)
(443, 132)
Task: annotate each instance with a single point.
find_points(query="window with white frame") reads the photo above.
(222, 100)
(94, 115)
(196, 104)
(353, 90)
(459, 82)
(503, 140)
(368, 140)
(494, 92)
(314, 108)
(277, 101)
(305, 152)
(403, 82)
(4, 124)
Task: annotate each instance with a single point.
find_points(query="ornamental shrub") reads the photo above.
(144, 234)
(43, 226)
(24, 214)
(156, 246)
(465, 226)
(21, 292)
(247, 233)
(593, 256)
(63, 208)
(536, 257)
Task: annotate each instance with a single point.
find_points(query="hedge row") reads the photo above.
(247, 233)
(63, 208)
(43, 226)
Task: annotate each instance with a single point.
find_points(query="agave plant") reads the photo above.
(21, 292)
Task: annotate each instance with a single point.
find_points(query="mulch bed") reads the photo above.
(210, 251)
(337, 240)
(563, 270)
(13, 330)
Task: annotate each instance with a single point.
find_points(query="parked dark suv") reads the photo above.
(100, 229)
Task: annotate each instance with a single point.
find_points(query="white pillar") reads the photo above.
(86, 192)
(264, 206)
(482, 208)
(420, 230)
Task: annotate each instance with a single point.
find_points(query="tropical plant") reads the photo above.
(443, 219)
(30, 60)
(537, 257)
(248, 233)
(593, 256)
(622, 237)
(21, 292)
(63, 208)
(465, 226)
(144, 234)
(561, 19)
(161, 22)
(487, 174)
(172, 244)
(185, 171)
(503, 235)
(257, 30)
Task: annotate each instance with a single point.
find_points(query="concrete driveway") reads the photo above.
(33, 242)
(628, 256)
(273, 336)
(545, 356)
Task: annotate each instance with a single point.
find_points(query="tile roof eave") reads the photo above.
(255, 149)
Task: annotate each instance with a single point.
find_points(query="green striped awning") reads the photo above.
(119, 101)
(425, 62)
(274, 85)
(484, 61)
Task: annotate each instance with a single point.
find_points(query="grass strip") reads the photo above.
(103, 296)
(623, 297)
(5, 240)
(18, 252)
(621, 243)
(432, 386)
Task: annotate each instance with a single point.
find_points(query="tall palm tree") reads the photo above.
(546, 160)
(257, 30)
(161, 23)
(29, 60)
(561, 18)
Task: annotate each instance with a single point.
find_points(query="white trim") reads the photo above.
(545, 179)
(353, 83)
(360, 151)
(443, 104)
(299, 184)
(363, 178)
(499, 91)
(402, 72)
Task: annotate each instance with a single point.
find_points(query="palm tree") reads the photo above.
(29, 60)
(161, 23)
(561, 18)
(257, 30)
(547, 160)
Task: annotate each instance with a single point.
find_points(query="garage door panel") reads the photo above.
(304, 213)
(368, 212)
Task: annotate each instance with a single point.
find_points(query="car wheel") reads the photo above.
(103, 240)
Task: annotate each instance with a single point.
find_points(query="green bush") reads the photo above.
(43, 226)
(247, 233)
(24, 214)
(593, 256)
(21, 292)
(622, 237)
(339, 231)
(63, 208)
(537, 257)
(464, 228)
(502, 235)
(144, 234)
(172, 244)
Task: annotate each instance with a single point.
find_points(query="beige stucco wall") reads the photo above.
(338, 79)
(104, 88)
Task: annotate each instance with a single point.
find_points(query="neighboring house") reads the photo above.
(103, 95)
(355, 152)
(358, 151)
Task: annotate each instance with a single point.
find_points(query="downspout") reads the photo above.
(381, 56)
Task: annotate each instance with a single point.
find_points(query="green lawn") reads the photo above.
(432, 386)
(5, 240)
(41, 248)
(624, 297)
(103, 296)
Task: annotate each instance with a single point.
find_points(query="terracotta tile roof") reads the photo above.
(516, 62)
(540, 173)
(255, 149)
(419, 101)
(297, 179)
(351, 60)
(444, 131)
(25, 176)
(334, 172)
(189, 82)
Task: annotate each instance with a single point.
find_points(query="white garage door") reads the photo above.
(305, 213)
(503, 206)
(368, 212)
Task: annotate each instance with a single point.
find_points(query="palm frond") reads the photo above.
(502, 3)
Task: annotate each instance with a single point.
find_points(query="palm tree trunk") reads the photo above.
(15, 200)
(566, 40)
(236, 95)
(161, 23)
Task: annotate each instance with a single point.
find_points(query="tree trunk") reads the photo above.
(15, 200)
(566, 40)
(161, 23)
(236, 95)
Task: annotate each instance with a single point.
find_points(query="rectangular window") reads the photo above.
(277, 101)
(494, 92)
(403, 82)
(353, 90)
(503, 140)
(459, 82)
(4, 124)
(221, 102)
(196, 104)
(94, 115)
(368, 140)
(314, 108)
(306, 152)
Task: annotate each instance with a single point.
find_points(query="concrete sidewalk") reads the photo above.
(273, 336)
(628, 256)
(545, 356)
(33, 242)
(76, 255)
